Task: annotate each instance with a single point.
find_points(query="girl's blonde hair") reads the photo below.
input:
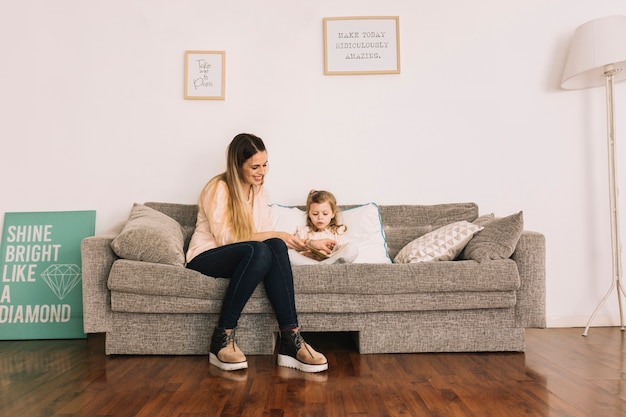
(319, 197)
(242, 148)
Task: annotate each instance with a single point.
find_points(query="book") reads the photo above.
(324, 255)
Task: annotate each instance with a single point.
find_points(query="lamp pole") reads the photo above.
(616, 245)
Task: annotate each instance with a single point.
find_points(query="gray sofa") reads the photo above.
(448, 306)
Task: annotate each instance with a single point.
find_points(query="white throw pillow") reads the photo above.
(287, 219)
(364, 224)
(365, 229)
(443, 244)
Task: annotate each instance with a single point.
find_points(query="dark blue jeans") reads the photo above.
(247, 264)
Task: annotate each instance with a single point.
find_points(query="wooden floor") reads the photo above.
(560, 374)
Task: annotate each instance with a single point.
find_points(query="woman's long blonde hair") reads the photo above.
(241, 148)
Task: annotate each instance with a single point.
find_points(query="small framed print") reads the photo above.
(361, 45)
(204, 75)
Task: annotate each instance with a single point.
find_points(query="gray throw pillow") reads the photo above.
(497, 240)
(484, 219)
(150, 236)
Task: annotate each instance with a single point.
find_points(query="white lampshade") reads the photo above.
(596, 44)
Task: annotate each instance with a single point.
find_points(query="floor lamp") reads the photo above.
(597, 56)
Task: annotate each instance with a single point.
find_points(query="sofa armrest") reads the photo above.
(97, 259)
(530, 256)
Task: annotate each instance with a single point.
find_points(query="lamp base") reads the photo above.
(620, 292)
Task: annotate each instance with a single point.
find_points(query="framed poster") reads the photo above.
(41, 274)
(205, 75)
(361, 45)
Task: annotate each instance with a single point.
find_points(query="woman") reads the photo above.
(234, 239)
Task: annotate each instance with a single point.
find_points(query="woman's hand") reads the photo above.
(292, 241)
(323, 245)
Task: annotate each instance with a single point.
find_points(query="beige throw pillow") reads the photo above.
(150, 236)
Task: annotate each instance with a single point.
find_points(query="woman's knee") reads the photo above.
(276, 244)
(259, 250)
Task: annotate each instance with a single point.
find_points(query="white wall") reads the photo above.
(93, 115)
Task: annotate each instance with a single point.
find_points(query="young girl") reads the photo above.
(323, 234)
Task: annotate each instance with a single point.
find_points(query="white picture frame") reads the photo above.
(361, 45)
(205, 75)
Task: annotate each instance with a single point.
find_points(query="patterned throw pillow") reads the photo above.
(442, 244)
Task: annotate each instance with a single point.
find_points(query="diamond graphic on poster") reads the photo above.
(62, 278)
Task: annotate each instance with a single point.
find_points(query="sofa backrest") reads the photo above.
(404, 223)
(401, 223)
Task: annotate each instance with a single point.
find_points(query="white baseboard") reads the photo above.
(581, 321)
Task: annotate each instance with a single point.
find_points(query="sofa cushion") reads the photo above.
(364, 229)
(443, 244)
(497, 240)
(149, 287)
(150, 236)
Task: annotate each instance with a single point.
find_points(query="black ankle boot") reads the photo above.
(294, 352)
(224, 352)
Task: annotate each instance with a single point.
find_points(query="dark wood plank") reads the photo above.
(561, 374)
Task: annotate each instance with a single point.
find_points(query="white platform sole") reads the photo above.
(226, 366)
(289, 362)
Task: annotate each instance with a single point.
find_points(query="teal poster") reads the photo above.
(40, 266)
